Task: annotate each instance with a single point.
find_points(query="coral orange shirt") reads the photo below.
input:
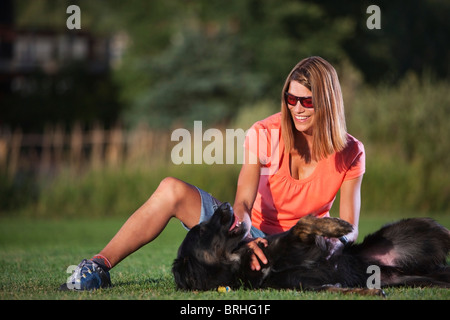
(282, 200)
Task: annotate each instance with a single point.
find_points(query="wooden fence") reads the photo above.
(79, 149)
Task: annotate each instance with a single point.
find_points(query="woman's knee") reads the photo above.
(182, 199)
(175, 191)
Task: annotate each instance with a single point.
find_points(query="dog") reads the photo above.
(410, 252)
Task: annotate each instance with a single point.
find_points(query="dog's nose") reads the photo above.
(225, 212)
(226, 207)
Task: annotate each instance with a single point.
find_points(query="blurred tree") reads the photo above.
(407, 125)
(220, 56)
(197, 78)
(413, 37)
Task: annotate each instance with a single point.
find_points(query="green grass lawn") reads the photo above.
(34, 256)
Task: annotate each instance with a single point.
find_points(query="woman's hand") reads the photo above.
(257, 253)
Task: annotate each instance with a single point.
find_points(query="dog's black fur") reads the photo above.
(410, 252)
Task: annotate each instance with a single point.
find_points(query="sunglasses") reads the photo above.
(304, 101)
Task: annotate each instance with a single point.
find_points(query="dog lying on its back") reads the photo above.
(411, 252)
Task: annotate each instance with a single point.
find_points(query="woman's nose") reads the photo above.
(298, 108)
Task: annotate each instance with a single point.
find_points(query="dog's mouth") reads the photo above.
(234, 224)
(237, 228)
(228, 218)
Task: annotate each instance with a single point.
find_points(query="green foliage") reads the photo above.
(412, 37)
(198, 78)
(119, 192)
(405, 128)
(23, 190)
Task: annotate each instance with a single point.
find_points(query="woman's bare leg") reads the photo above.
(173, 198)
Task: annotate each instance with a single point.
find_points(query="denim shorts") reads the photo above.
(210, 204)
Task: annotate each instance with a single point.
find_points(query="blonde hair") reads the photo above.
(330, 132)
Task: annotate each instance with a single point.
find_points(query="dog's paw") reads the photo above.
(310, 226)
(333, 227)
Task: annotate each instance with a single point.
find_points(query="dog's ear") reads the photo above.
(189, 274)
(183, 270)
(177, 270)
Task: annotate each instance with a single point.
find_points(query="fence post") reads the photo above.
(3, 154)
(46, 156)
(115, 146)
(16, 142)
(58, 143)
(97, 139)
(138, 151)
(76, 147)
(54, 149)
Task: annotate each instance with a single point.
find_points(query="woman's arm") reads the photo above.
(350, 205)
(247, 187)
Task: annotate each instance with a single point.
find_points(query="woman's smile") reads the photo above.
(301, 118)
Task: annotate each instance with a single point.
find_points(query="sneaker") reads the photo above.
(87, 276)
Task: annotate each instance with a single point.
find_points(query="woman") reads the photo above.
(305, 157)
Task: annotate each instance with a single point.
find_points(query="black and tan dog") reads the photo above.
(410, 252)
